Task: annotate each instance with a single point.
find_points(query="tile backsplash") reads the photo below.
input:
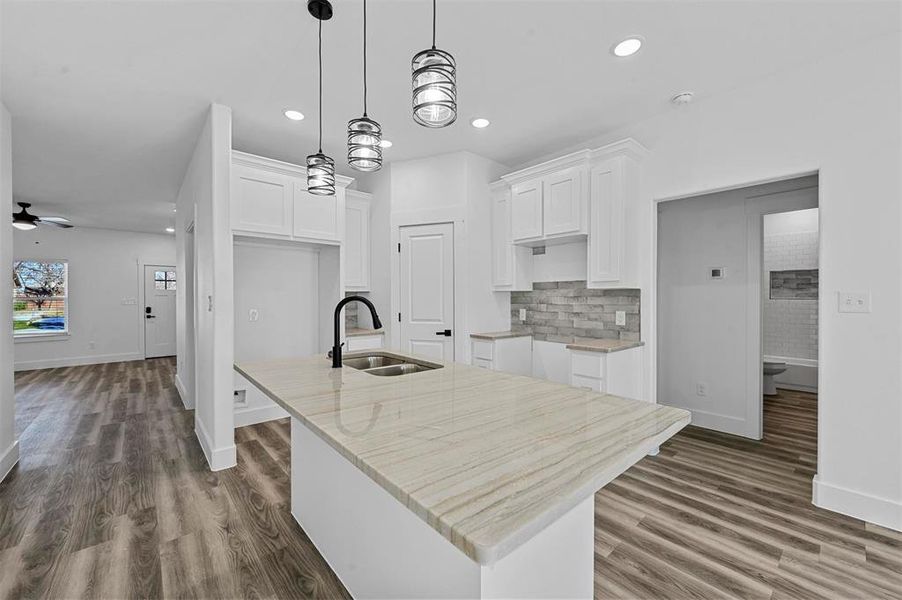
(561, 311)
(351, 313)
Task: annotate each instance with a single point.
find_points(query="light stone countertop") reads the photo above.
(592, 345)
(485, 458)
(501, 335)
(357, 331)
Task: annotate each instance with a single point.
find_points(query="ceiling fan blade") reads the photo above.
(55, 224)
(55, 219)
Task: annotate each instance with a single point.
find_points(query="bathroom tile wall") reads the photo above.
(564, 310)
(790, 325)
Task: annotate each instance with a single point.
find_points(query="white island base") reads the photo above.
(380, 549)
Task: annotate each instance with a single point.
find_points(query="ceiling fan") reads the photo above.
(26, 222)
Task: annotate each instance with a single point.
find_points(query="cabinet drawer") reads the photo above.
(589, 383)
(483, 363)
(483, 349)
(587, 364)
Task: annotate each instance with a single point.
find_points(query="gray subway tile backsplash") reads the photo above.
(561, 311)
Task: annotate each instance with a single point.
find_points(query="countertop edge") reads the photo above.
(500, 335)
(484, 555)
(363, 332)
(586, 347)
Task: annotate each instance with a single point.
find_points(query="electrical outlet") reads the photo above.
(253, 315)
(620, 317)
(701, 388)
(855, 302)
(522, 314)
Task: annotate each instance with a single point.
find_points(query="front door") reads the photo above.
(427, 290)
(159, 311)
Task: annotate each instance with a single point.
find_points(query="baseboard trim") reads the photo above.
(187, 400)
(722, 423)
(258, 414)
(76, 361)
(9, 459)
(873, 509)
(218, 458)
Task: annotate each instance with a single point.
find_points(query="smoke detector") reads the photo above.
(682, 98)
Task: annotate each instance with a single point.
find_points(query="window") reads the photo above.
(40, 297)
(164, 280)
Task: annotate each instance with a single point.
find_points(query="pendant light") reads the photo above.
(434, 85)
(320, 168)
(364, 134)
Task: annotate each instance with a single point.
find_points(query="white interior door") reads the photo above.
(159, 310)
(427, 291)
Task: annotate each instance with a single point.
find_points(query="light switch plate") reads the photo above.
(620, 317)
(522, 314)
(253, 315)
(854, 302)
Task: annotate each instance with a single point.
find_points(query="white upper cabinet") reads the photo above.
(269, 199)
(357, 241)
(606, 221)
(317, 217)
(563, 202)
(261, 201)
(526, 210)
(511, 265)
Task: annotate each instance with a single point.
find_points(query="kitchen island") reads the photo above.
(454, 481)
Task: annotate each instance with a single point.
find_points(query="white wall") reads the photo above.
(450, 188)
(280, 282)
(9, 445)
(106, 275)
(204, 193)
(800, 121)
(790, 324)
(561, 262)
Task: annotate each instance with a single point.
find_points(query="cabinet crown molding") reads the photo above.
(283, 168)
(574, 159)
(626, 147)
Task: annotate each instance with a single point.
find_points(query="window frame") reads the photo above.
(34, 336)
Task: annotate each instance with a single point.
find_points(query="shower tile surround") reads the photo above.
(566, 311)
(790, 317)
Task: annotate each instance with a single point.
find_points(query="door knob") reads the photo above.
(446, 333)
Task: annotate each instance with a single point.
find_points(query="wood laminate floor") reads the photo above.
(113, 499)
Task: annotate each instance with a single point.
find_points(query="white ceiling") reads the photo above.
(107, 97)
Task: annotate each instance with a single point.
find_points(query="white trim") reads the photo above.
(76, 361)
(187, 400)
(574, 159)
(9, 459)
(258, 414)
(282, 167)
(61, 336)
(873, 509)
(718, 422)
(218, 458)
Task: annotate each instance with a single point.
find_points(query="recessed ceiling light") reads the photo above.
(170, 230)
(385, 143)
(480, 123)
(627, 47)
(294, 115)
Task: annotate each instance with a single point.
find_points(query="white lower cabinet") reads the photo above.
(355, 343)
(510, 355)
(618, 373)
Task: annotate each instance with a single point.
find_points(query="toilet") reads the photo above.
(771, 369)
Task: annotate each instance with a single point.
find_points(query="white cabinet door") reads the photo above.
(261, 201)
(357, 242)
(502, 249)
(563, 200)
(606, 221)
(526, 210)
(317, 217)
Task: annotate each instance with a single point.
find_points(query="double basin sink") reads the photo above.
(383, 364)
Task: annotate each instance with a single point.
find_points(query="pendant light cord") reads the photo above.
(433, 24)
(364, 58)
(320, 86)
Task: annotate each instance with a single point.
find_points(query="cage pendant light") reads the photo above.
(320, 168)
(434, 85)
(364, 134)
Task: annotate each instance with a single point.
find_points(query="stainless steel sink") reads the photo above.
(371, 362)
(385, 365)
